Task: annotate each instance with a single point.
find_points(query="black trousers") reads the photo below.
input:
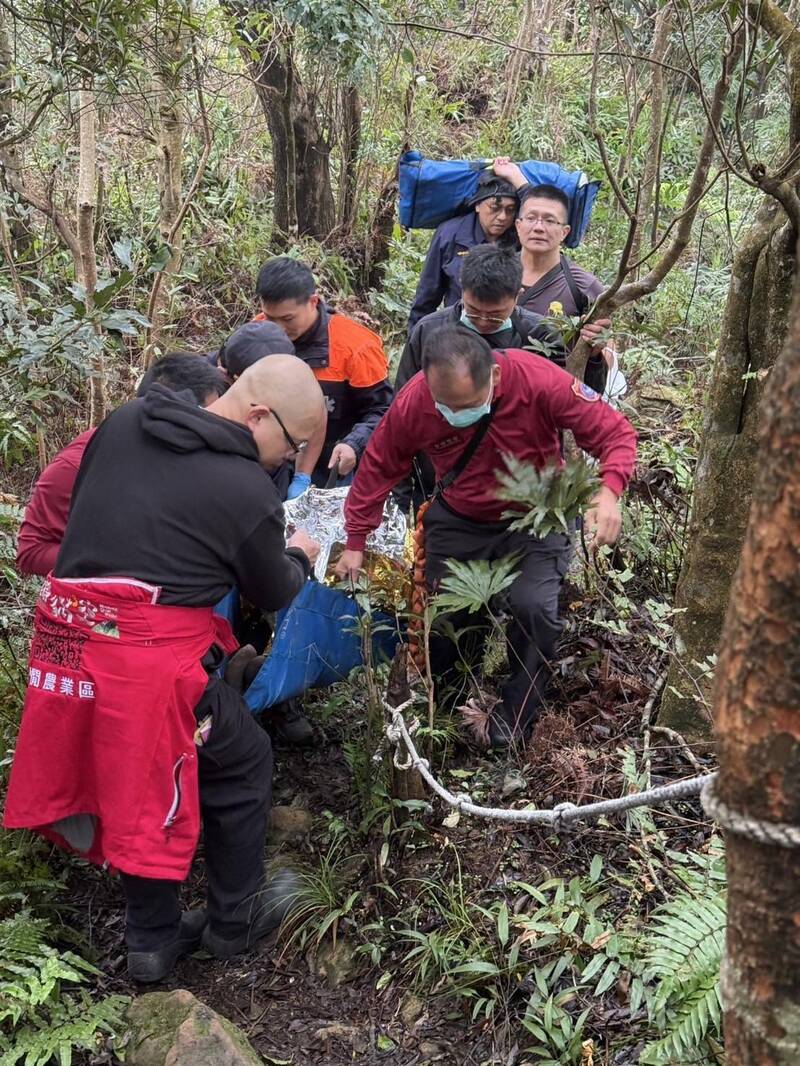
(235, 779)
(532, 600)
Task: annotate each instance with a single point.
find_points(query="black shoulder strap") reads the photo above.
(535, 290)
(474, 442)
(580, 298)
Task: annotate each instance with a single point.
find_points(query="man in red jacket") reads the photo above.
(468, 408)
(46, 515)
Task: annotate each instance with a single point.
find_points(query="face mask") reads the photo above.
(470, 415)
(465, 321)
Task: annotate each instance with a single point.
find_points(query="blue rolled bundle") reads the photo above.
(432, 191)
(316, 643)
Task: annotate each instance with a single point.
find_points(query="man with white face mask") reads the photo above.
(469, 408)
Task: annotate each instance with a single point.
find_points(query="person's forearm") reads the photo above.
(308, 458)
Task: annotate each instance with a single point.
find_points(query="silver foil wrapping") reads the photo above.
(320, 513)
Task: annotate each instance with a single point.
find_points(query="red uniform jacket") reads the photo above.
(46, 515)
(533, 401)
(108, 727)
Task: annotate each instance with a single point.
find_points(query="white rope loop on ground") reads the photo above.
(560, 817)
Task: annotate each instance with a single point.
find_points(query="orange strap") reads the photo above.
(419, 596)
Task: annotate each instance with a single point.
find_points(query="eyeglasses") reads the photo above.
(547, 221)
(295, 445)
(479, 316)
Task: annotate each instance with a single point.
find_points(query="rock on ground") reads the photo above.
(176, 1029)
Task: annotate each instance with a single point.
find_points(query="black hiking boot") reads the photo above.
(263, 912)
(506, 730)
(290, 724)
(147, 967)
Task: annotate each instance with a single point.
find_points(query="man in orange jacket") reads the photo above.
(348, 361)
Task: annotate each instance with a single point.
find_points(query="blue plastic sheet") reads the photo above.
(432, 191)
(316, 643)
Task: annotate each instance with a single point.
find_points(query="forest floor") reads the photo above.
(319, 998)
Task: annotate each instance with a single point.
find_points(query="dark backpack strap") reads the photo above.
(533, 291)
(474, 442)
(580, 298)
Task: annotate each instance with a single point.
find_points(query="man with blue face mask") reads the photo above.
(490, 278)
(470, 408)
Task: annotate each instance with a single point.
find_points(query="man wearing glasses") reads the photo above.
(128, 738)
(553, 284)
(347, 359)
(491, 278)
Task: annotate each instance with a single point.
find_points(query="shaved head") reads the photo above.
(280, 401)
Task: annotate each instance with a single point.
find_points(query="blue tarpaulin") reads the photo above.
(316, 643)
(432, 191)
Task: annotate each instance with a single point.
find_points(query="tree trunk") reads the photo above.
(405, 784)
(754, 328)
(650, 171)
(169, 171)
(86, 265)
(377, 246)
(757, 704)
(350, 148)
(304, 202)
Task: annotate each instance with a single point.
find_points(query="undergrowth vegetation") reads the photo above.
(598, 947)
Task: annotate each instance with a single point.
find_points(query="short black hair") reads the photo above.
(180, 371)
(450, 347)
(284, 278)
(544, 192)
(491, 271)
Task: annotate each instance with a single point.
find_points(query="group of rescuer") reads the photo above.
(134, 733)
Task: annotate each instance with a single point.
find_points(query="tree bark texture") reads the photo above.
(350, 146)
(86, 265)
(304, 203)
(757, 710)
(169, 171)
(754, 328)
(404, 784)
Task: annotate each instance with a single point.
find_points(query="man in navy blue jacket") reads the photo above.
(492, 221)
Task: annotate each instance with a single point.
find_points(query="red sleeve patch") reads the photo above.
(584, 392)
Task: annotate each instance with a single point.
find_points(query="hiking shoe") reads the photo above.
(506, 730)
(147, 967)
(263, 912)
(291, 725)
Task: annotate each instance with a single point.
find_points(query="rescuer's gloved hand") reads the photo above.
(300, 483)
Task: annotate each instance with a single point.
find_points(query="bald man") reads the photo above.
(127, 736)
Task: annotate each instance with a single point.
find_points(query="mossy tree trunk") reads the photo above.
(754, 327)
(757, 709)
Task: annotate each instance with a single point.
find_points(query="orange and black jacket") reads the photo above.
(350, 364)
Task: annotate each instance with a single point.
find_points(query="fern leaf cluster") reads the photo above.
(552, 497)
(684, 950)
(40, 1021)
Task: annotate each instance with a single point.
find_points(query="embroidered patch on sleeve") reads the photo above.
(582, 390)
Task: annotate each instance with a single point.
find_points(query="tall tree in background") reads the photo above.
(757, 710)
(754, 327)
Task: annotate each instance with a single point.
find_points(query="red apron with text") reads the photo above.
(108, 727)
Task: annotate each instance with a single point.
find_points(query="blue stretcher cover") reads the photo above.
(316, 643)
(432, 190)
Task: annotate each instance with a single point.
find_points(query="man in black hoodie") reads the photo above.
(176, 499)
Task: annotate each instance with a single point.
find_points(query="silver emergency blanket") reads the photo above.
(320, 513)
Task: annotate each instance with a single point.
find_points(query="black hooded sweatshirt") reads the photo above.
(174, 495)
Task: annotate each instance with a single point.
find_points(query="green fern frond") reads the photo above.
(470, 586)
(684, 950)
(42, 1023)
